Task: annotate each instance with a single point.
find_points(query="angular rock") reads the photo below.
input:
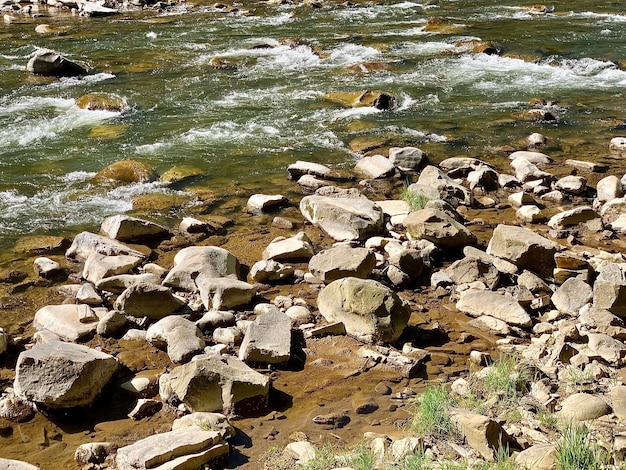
(572, 295)
(357, 99)
(270, 271)
(468, 270)
(190, 262)
(126, 172)
(342, 218)
(370, 311)
(215, 319)
(208, 422)
(503, 266)
(610, 295)
(111, 323)
(158, 450)
(439, 228)
(301, 168)
(4, 341)
(126, 228)
(294, 248)
(118, 284)
(606, 348)
(268, 339)
(9, 464)
(538, 457)
(45, 267)
(144, 408)
(94, 452)
(86, 243)
(435, 184)
(609, 188)
(406, 158)
(47, 62)
(182, 338)
(69, 322)
(482, 434)
(98, 266)
(408, 260)
(149, 300)
(571, 184)
(262, 202)
(342, 261)
(530, 214)
(375, 166)
(87, 295)
(575, 216)
(583, 407)
(224, 293)
(216, 384)
(536, 158)
(524, 248)
(62, 375)
(490, 324)
(502, 307)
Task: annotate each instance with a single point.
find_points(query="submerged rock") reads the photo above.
(126, 172)
(102, 102)
(373, 98)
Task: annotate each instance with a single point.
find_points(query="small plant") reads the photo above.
(548, 418)
(433, 413)
(502, 380)
(576, 451)
(577, 380)
(416, 201)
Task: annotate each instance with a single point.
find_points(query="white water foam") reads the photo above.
(605, 17)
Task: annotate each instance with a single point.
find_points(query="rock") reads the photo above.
(524, 248)
(229, 336)
(439, 228)
(118, 284)
(127, 172)
(571, 184)
(572, 295)
(536, 140)
(95, 10)
(618, 400)
(94, 452)
(530, 214)
(144, 408)
(268, 339)
(224, 293)
(62, 375)
(190, 262)
(4, 341)
(295, 248)
(47, 62)
(65, 321)
(126, 228)
(483, 177)
(102, 102)
(181, 174)
(98, 266)
(262, 202)
(612, 210)
(575, 216)
(45, 267)
(406, 158)
(208, 422)
(301, 168)
(610, 295)
(520, 199)
(301, 451)
(87, 295)
(9, 464)
(536, 158)
(482, 434)
(503, 266)
(342, 261)
(435, 184)
(144, 385)
(184, 448)
(270, 271)
(215, 319)
(538, 457)
(552, 196)
(468, 270)
(375, 166)
(478, 47)
(299, 315)
(617, 145)
(490, 324)
(111, 323)
(609, 188)
(86, 243)
(149, 300)
(583, 407)
(373, 98)
(189, 225)
(526, 171)
(343, 218)
(14, 409)
(410, 261)
(502, 307)
(606, 348)
(181, 337)
(370, 311)
(216, 384)
(587, 166)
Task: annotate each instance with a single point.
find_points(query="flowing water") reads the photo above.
(245, 123)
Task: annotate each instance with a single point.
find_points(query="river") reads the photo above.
(243, 124)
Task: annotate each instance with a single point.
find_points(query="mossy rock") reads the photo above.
(357, 99)
(39, 244)
(102, 102)
(478, 47)
(442, 26)
(127, 171)
(158, 202)
(108, 131)
(369, 67)
(181, 174)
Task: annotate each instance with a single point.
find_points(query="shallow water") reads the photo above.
(243, 125)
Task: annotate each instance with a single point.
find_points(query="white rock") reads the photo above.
(45, 267)
(375, 166)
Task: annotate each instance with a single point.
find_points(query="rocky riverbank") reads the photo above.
(325, 320)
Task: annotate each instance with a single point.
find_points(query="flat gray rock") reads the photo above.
(502, 307)
(181, 337)
(342, 261)
(268, 339)
(190, 262)
(439, 228)
(126, 228)
(224, 293)
(69, 322)
(149, 300)
(86, 243)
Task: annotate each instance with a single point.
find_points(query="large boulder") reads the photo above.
(183, 448)
(190, 262)
(181, 337)
(438, 227)
(406, 158)
(524, 248)
(69, 322)
(583, 407)
(149, 300)
(268, 339)
(86, 243)
(342, 261)
(62, 375)
(343, 218)
(502, 307)
(47, 62)
(369, 310)
(220, 383)
(126, 228)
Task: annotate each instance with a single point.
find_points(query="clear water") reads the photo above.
(245, 124)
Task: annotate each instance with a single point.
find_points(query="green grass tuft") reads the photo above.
(432, 417)
(415, 200)
(576, 451)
